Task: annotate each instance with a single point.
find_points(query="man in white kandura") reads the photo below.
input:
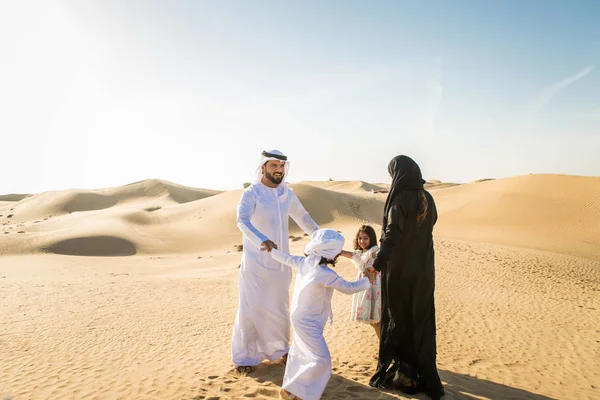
(262, 324)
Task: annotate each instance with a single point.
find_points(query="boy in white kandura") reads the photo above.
(308, 367)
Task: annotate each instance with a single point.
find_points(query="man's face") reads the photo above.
(273, 171)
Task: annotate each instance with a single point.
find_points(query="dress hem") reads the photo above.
(367, 321)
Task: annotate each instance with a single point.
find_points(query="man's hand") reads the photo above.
(268, 245)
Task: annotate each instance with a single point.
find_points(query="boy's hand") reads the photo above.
(268, 245)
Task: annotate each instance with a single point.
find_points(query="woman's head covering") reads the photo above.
(325, 243)
(406, 175)
(274, 155)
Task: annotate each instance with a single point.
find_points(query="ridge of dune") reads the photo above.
(13, 197)
(435, 184)
(344, 186)
(160, 188)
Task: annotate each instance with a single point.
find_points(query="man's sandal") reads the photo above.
(244, 369)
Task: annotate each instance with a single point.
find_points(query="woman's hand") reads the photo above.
(371, 274)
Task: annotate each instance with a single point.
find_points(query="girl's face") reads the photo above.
(363, 241)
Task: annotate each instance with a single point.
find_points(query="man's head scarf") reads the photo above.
(272, 155)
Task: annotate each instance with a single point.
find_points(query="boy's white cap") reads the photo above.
(325, 243)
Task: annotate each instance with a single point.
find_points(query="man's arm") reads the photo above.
(391, 236)
(301, 216)
(245, 211)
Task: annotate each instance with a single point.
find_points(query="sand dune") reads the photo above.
(535, 211)
(549, 212)
(58, 221)
(131, 292)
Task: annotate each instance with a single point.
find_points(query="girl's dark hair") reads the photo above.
(423, 206)
(370, 232)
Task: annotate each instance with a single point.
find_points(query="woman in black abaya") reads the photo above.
(407, 348)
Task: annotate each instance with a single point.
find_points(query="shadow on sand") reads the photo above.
(353, 384)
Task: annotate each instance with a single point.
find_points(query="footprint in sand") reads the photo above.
(262, 392)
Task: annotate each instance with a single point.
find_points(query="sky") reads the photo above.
(102, 93)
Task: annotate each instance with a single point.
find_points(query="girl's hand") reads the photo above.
(371, 275)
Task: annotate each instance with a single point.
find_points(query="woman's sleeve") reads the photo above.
(391, 235)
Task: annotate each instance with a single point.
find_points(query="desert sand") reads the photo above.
(131, 292)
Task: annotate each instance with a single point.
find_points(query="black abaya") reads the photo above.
(407, 350)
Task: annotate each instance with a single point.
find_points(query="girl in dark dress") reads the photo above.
(407, 348)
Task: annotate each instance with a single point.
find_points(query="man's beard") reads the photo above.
(275, 180)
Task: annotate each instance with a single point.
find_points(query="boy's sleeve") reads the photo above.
(331, 279)
(287, 259)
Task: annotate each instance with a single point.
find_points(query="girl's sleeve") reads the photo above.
(357, 260)
(287, 259)
(372, 254)
(330, 279)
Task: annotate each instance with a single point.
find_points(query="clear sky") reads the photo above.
(103, 93)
